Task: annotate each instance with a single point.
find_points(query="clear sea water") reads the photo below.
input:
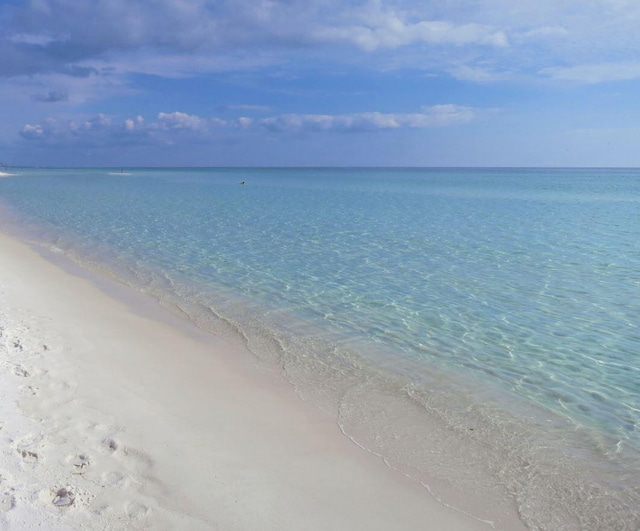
(475, 324)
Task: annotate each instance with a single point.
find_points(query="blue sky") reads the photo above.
(320, 82)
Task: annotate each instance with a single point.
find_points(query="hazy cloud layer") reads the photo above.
(78, 38)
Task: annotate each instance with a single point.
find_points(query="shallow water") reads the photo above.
(493, 314)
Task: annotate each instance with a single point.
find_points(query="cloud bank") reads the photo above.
(435, 116)
(173, 127)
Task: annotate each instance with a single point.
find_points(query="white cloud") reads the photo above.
(32, 131)
(544, 32)
(37, 39)
(390, 31)
(101, 121)
(388, 24)
(170, 64)
(99, 130)
(247, 107)
(449, 114)
(219, 122)
(595, 73)
(476, 74)
(245, 122)
(181, 120)
(133, 124)
(183, 38)
(435, 116)
(103, 130)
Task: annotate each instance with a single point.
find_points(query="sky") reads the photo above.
(124, 83)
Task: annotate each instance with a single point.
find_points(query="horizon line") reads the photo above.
(346, 167)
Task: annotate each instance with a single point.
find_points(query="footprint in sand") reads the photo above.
(140, 460)
(137, 511)
(112, 477)
(30, 390)
(64, 497)
(7, 501)
(19, 370)
(28, 456)
(79, 462)
(27, 448)
(109, 445)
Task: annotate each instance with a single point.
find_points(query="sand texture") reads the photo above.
(113, 417)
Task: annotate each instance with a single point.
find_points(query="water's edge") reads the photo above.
(430, 427)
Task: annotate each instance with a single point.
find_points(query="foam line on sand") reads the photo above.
(113, 419)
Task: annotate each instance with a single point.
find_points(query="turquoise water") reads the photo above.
(504, 302)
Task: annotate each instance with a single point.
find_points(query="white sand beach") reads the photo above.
(118, 415)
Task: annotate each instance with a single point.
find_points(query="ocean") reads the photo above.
(478, 329)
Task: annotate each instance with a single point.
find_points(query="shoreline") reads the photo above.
(469, 444)
(119, 418)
